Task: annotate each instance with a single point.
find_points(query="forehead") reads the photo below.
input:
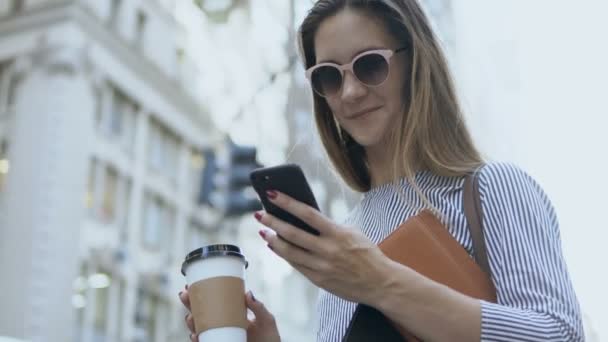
(340, 37)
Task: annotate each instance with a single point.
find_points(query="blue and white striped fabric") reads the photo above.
(536, 301)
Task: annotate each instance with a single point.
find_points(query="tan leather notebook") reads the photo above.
(425, 245)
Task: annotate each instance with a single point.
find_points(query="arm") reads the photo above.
(536, 300)
(434, 311)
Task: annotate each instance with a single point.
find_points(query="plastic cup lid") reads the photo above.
(213, 251)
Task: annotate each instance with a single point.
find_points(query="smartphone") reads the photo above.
(290, 180)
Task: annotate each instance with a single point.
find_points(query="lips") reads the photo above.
(363, 112)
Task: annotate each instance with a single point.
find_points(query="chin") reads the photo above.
(368, 134)
(366, 140)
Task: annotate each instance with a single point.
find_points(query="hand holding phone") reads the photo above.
(290, 180)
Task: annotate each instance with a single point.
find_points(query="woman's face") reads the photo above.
(366, 113)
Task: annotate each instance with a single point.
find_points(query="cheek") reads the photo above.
(395, 93)
(334, 106)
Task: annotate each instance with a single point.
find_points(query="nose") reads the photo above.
(352, 89)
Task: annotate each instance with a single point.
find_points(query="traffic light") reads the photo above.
(226, 180)
(242, 160)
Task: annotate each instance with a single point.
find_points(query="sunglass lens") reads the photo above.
(371, 69)
(326, 80)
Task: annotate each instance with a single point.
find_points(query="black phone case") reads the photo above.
(290, 180)
(369, 325)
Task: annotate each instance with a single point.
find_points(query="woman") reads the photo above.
(388, 116)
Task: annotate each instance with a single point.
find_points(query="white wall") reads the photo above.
(533, 77)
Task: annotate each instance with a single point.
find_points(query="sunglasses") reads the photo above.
(370, 68)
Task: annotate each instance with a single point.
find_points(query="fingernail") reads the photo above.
(192, 336)
(253, 297)
(271, 194)
(258, 216)
(186, 317)
(186, 287)
(262, 234)
(180, 293)
(269, 246)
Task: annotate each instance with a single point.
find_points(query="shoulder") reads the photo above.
(507, 179)
(508, 173)
(510, 193)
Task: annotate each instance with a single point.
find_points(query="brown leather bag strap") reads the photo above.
(473, 212)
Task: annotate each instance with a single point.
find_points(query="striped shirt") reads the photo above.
(536, 301)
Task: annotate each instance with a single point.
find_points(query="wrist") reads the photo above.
(390, 286)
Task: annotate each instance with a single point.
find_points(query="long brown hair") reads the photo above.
(431, 134)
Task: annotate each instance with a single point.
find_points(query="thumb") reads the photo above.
(262, 315)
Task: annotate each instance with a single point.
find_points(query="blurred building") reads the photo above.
(100, 161)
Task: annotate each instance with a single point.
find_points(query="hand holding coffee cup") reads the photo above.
(215, 295)
(262, 328)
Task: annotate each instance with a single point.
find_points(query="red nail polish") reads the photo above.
(257, 216)
(271, 194)
(262, 234)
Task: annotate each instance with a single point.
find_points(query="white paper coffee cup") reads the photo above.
(216, 284)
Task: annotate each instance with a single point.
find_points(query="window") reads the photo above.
(122, 290)
(98, 107)
(120, 123)
(155, 155)
(124, 196)
(107, 194)
(140, 28)
(5, 88)
(91, 298)
(146, 314)
(196, 165)
(4, 162)
(79, 301)
(89, 198)
(99, 283)
(101, 310)
(163, 150)
(158, 221)
(109, 197)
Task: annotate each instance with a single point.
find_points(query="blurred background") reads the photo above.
(126, 127)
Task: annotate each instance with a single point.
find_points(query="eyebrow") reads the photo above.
(354, 55)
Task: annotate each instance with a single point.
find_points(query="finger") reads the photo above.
(289, 232)
(193, 338)
(292, 253)
(262, 315)
(185, 298)
(304, 212)
(190, 322)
